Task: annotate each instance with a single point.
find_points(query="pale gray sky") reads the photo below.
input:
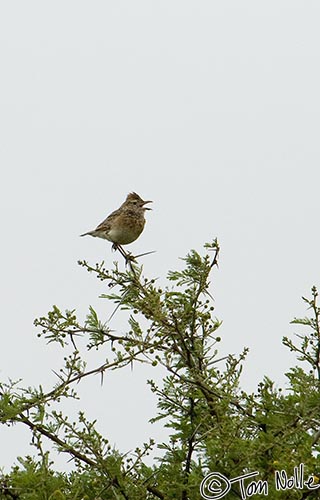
(212, 110)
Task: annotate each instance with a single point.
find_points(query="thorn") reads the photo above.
(146, 253)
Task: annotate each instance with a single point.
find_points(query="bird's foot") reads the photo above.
(126, 255)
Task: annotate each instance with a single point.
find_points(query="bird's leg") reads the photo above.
(127, 256)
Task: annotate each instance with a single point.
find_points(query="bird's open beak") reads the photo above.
(145, 202)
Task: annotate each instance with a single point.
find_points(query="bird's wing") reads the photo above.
(106, 223)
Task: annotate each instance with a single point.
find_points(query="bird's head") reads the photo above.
(133, 200)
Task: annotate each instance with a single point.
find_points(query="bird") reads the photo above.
(124, 225)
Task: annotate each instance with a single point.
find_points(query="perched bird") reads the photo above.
(124, 225)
